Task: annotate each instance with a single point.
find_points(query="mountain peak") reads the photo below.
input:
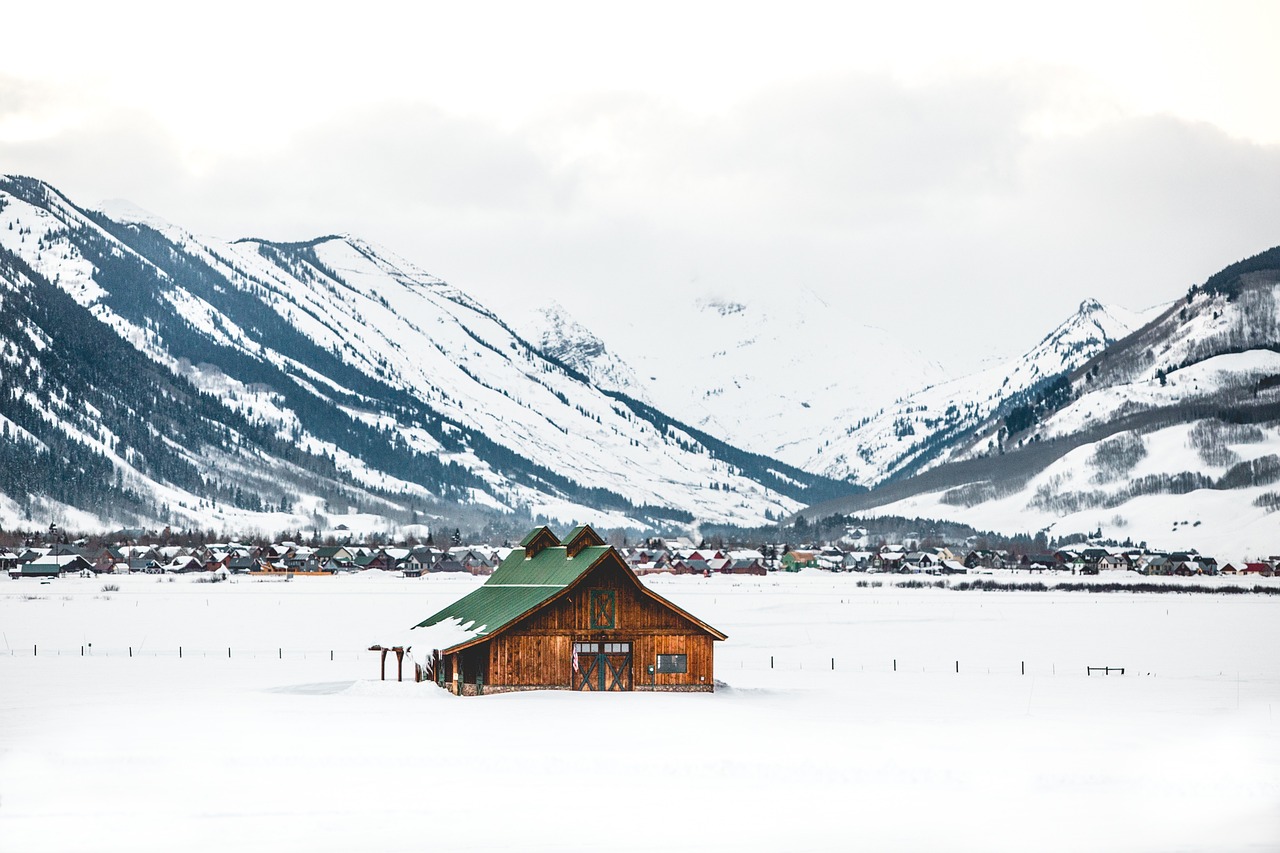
(1090, 306)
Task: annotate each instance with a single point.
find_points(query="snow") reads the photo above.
(867, 451)
(279, 748)
(393, 321)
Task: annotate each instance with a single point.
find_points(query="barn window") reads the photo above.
(603, 608)
(673, 663)
(586, 648)
(617, 648)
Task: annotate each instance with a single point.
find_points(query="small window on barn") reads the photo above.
(604, 604)
(617, 648)
(586, 648)
(673, 663)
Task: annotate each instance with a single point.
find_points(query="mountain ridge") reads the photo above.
(361, 358)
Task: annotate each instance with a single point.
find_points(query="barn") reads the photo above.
(566, 615)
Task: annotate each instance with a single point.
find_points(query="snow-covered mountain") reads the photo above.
(928, 427)
(1170, 435)
(766, 375)
(554, 331)
(327, 376)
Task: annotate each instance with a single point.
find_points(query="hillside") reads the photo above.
(765, 374)
(928, 427)
(1171, 435)
(392, 394)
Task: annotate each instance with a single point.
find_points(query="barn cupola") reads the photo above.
(537, 541)
(581, 537)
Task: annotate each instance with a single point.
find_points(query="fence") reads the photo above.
(181, 652)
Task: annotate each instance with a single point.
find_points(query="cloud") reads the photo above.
(940, 208)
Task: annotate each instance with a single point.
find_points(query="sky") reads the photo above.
(967, 173)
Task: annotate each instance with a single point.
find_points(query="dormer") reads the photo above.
(537, 541)
(581, 537)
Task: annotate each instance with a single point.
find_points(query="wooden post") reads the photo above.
(1024, 667)
(384, 664)
(957, 667)
(895, 664)
(179, 652)
(399, 663)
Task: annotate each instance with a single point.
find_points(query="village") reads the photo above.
(47, 556)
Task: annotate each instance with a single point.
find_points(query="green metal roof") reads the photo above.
(516, 587)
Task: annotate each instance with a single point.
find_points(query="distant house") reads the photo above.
(376, 560)
(919, 561)
(891, 560)
(107, 560)
(744, 567)
(184, 565)
(1041, 562)
(567, 616)
(51, 565)
(858, 561)
(794, 561)
(1262, 569)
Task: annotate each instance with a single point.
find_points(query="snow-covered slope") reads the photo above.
(557, 334)
(925, 428)
(395, 380)
(1170, 436)
(764, 374)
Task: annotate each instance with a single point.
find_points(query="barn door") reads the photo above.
(602, 666)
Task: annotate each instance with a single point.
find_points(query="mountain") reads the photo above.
(765, 375)
(557, 334)
(1170, 435)
(261, 384)
(928, 427)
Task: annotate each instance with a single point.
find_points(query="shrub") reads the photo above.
(1211, 438)
(1269, 501)
(111, 587)
(1259, 472)
(1115, 457)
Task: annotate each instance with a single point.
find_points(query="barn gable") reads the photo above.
(538, 539)
(581, 537)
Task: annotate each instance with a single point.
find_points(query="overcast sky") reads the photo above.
(967, 172)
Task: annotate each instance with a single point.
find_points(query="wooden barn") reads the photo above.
(566, 616)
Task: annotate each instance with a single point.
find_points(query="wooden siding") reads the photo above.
(538, 649)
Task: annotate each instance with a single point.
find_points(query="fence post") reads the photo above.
(895, 664)
(770, 661)
(35, 651)
(1024, 667)
(833, 664)
(957, 666)
(228, 652)
(131, 651)
(179, 652)
(330, 654)
(281, 654)
(82, 651)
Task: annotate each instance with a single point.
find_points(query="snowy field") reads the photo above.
(275, 746)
